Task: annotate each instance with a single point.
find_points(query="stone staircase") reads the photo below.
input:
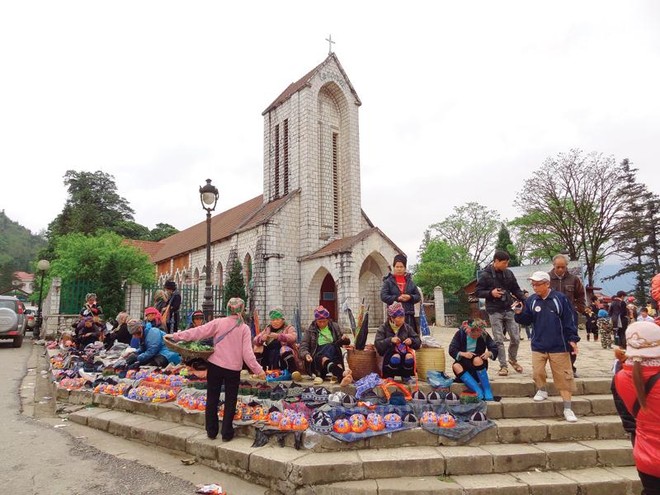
(529, 451)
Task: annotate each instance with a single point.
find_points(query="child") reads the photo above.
(471, 347)
(604, 324)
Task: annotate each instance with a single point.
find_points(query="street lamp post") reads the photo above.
(42, 266)
(208, 195)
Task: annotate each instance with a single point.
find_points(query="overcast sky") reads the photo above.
(462, 101)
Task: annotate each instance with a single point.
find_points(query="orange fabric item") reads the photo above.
(400, 282)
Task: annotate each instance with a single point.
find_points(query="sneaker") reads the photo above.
(504, 371)
(542, 395)
(570, 416)
(296, 376)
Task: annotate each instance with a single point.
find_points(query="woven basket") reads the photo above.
(186, 353)
(429, 359)
(361, 363)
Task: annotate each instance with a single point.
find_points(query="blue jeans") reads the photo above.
(500, 321)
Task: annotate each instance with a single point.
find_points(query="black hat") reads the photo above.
(419, 396)
(478, 419)
(321, 423)
(410, 418)
(170, 284)
(348, 401)
(308, 394)
(452, 399)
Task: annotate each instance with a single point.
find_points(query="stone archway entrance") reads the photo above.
(372, 271)
(328, 296)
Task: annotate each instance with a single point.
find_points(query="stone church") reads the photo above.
(306, 240)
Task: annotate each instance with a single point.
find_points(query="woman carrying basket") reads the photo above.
(232, 345)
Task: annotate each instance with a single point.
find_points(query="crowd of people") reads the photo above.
(549, 316)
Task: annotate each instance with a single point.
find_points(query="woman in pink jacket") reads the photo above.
(276, 347)
(232, 346)
(637, 386)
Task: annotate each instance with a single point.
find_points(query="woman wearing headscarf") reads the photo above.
(394, 341)
(277, 343)
(636, 385)
(321, 348)
(232, 342)
(398, 286)
(471, 348)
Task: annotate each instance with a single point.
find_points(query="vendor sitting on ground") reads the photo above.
(152, 350)
(119, 332)
(395, 341)
(321, 348)
(471, 348)
(152, 317)
(87, 332)
(275, 347)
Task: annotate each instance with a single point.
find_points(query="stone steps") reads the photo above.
(588, 481)
(286, 470)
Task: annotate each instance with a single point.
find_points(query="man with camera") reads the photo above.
(498, 286)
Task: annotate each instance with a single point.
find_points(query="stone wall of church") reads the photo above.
(313, 114)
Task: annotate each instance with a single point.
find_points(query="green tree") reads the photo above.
(445, 266)
(18, 248)
(505, 243)
(578, 198)
(235, 285)
(93, 204)
(471, 226)
(635, 237)
(104, 261)
(162, 231)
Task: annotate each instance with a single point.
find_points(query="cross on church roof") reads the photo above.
(330, 43)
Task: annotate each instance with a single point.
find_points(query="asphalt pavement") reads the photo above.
(42, 453)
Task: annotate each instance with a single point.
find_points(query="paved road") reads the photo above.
(50, 456)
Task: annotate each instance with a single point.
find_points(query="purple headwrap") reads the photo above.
(321, 313)
(395, 310)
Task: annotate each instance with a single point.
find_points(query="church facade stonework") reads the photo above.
(306, 240)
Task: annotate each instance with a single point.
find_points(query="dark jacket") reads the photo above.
(310, 340)
(174, 302)
(571, 286)
(121, 334)
(554, 322)
(618, 313)
(383, 339)
(490, 279)
(389, 292)
(459, 344)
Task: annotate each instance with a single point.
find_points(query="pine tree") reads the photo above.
(635, 238)
(235, 285)
(505, 243)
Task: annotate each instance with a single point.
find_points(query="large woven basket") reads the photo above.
(361, 363)
(186, 353)
(429, 359)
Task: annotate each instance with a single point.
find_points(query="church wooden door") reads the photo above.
(328, 296)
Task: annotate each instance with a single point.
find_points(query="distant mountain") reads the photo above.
(18, 249)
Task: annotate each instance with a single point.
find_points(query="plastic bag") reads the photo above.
(428, 341)
(438, 379)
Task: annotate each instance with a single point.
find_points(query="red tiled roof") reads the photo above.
(294, 87)
(150, 248)
(345, 244)
(225, 224)
(24, 276)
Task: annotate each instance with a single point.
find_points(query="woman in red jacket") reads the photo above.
(636, 385)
